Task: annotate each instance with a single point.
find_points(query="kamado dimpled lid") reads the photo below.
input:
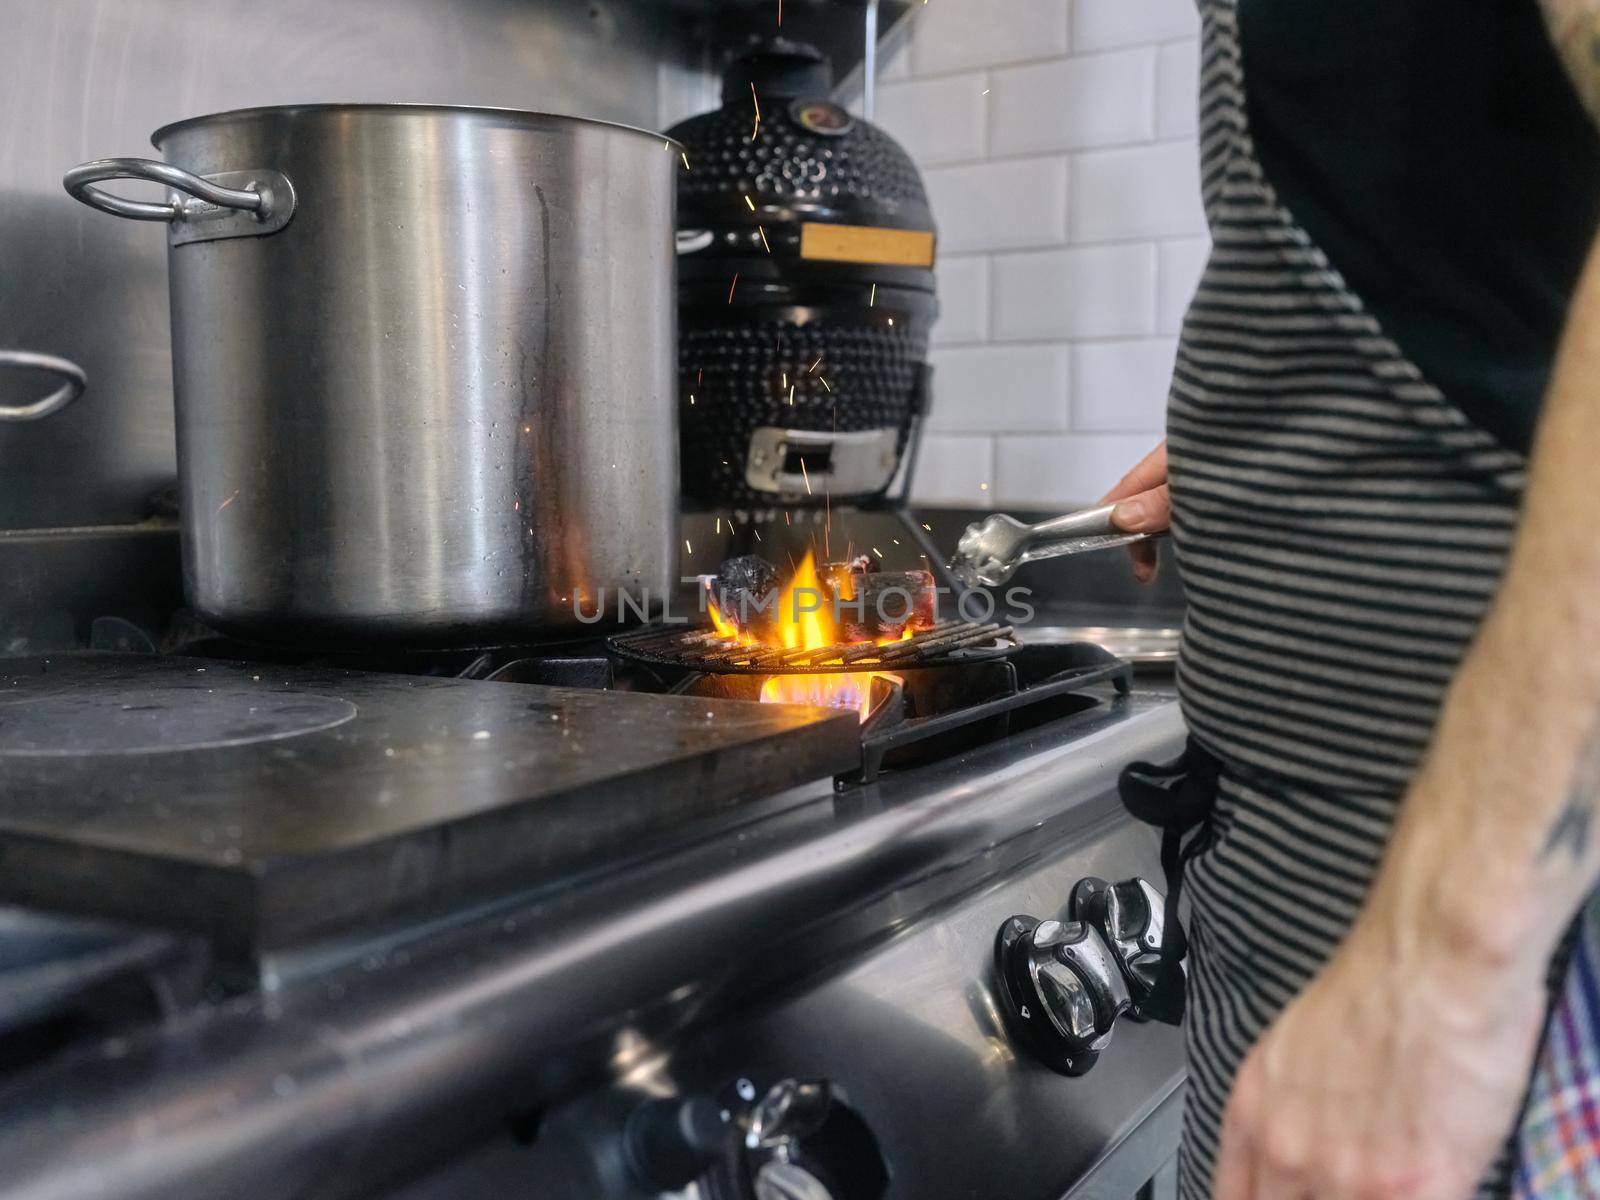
(805, 255)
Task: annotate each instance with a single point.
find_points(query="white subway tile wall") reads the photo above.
(938, 120)
(1074, 103)
(1121, 387)
(1018, 388)
(999, 205)
(1080, 292)
(983, 33)
(1028, 470)
(962, 465)
(963, 283)
(1137, 192)
(1058, 140)
(1179, 274)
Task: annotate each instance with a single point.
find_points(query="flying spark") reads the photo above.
(872, 301)
(228, 501)
(983, 487)
(757, 532)
(985, 91)
(733, 285)
(791, 395)
(878, 552)
(686, 166)
(719, 524)
(764, 241)
(815, 365)
(805, 474)
(754, 100)
(750, 202)
(928, 527)
(825, 384)
(688, 547)
(891, 322)
(785, 375)
(691, 399)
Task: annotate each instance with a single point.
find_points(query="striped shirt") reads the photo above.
(1341, 528)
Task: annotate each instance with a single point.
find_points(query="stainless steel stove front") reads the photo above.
(838, 937)
(910, 1038)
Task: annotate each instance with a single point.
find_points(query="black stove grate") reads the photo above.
(695, 649)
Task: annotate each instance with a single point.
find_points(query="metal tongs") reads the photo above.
(990, 552)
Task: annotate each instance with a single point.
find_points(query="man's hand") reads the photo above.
(1396, 1075)
(1143, 506)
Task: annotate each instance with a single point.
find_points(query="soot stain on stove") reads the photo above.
(534, 436)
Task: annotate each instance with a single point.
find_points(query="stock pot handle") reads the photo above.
(227, 204)
(80, 182)
(64, 395)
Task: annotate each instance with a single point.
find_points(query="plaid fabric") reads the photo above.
(1558, 1142)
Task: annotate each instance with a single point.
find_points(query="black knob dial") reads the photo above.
(1130, 916)
(670, 1143)
(1060, 989)
(797, 1140)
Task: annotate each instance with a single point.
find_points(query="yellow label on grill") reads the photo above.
(866, 244)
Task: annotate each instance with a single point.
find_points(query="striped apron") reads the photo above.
(1341, 529)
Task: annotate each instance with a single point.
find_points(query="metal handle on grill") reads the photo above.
(76, 382)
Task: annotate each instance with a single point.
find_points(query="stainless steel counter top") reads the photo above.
(360, 1067)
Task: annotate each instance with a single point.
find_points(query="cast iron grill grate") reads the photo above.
(695, 649)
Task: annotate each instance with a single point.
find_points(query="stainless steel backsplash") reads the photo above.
(82, 79)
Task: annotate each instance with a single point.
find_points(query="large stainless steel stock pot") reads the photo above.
(424, 362)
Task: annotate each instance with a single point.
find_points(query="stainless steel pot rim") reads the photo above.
(527, 116)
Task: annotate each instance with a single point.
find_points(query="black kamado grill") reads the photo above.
(806, 291)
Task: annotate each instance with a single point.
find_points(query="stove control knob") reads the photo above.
(1060, 989)
(803, 1142)
(669, 1143)
(1129, 916)
(799, 1140)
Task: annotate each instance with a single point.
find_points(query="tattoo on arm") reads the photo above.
(1575, 29)
(1571, 830)
(1572, 827)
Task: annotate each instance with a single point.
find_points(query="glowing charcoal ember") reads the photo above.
(744, 593)
(880, 606)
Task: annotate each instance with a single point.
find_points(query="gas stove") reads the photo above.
(560, 919)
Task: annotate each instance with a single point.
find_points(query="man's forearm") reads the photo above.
(1575, 30)
(1499, 838)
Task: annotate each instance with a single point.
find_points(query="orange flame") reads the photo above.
(805, 621)
(723, 626)
(845, 689)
